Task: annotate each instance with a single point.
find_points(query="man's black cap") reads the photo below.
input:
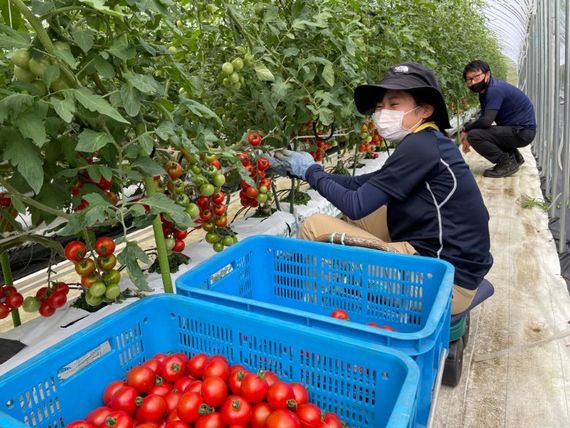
(406, 76)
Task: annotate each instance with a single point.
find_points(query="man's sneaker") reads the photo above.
(518, 157)
(504, 168)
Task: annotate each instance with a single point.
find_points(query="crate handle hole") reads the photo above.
(385, 375)
(9, 404)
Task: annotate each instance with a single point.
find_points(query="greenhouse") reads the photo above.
(284, 213)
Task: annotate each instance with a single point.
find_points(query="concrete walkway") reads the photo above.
(522, 386)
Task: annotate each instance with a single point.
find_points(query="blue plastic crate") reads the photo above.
(367, 385)
(304, 281)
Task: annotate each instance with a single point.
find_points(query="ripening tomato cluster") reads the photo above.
(256, 166)
(341, 314)
(98, 276)
(47, 299)
(371, 139)
(85, 184)
(174, 391)
(319, 153)
(10, 299)
(174, 237)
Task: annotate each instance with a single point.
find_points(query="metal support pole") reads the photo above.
(566, 139)
(555, 109)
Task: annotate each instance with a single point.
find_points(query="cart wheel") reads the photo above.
(453, 364)
(467, 329)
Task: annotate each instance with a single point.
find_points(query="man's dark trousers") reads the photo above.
(499, 143)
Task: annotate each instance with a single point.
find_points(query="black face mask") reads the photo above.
(478, 87)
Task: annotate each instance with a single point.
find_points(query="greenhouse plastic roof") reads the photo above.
(508, 19)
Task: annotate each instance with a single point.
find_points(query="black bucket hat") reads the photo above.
(406, 76)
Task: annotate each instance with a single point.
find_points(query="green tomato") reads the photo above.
(59, 85)
(234, 78)
(226, 82)
(236, 86)
(112, 291)
(31, 304)
(199, 180)
(97, 289)
(192, 210)
(238, 64)
(179, 24)
(38, 67)
(61, 46)
(247, 59)
(92, 300)
(40, 86)
(20, 57)
(212, 237)
(262, 198)
(22, 74)
(218, 247)
(207, 189)
(262, 189)
(111, 277)
(169, 243)
(228, 241)
(182, 200)
(227, 68)
(212, 8)
(172, 50)
(196, 169)
(219, 180)
(208, 226)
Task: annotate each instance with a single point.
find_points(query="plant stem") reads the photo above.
(9, 280)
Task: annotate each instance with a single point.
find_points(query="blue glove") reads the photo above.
(296, 163)
(276, 166)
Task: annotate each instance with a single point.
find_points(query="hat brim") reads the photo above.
(366, 97)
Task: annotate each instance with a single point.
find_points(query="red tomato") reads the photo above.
(196, 365)
(214, 391)
(190, 407)
(260, 413)
(98, 416)
(79, 424)
(111, 389)
(254, 388)
(340, 314)
(180, 234)
(172, 369)
(14, 300)
(203, 202)
(125, 398)
(152, 409)
(372, 324)
(218, 198)
(5, 310)
(176, 424)
(217, 366)
(254, 138)
(280, 395)
(42, 294)
(212, 420)
(104, 246)
(235, 380)
(141, 378)
(183, 383)
(162, 389)
(148, 425)
(171, 399)
(281, 418)
(75, 251)
(309, 415)
(387, 327)
(179, 246)
(330, 420)
(219, 209)
(160, 357)
(236, 411)
(57, 299)
(61, 287)
(195, 386)
(262, 163)
(300, 392)
(270, 378)
(46, 310)
(173, 169)
(118, 419)
(152, 364)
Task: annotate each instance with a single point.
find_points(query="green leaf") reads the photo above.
(51, 75)
(279, 89)
(75, 225)
(200, 110)
(14, 104)
(165, 130)
(13, 39)
(12, 16)
(66, 56)
(130, 99)
(31, 123)
(328, 74)
(97, 103)
(146, 142)
(122, 49)
(147, 166)
(84, 39)
(326, 116)
(100, 6)
(23, 155)
(290, 52)
(130, 257)
(263, 73)
(64, 108)
(104, 68)
(99, 209)
(160, 203)
(90, 141)
(137, 210)
(145, 84)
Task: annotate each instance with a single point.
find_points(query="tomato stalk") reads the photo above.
(9, 280)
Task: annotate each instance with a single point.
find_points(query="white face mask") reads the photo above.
(389, 124)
